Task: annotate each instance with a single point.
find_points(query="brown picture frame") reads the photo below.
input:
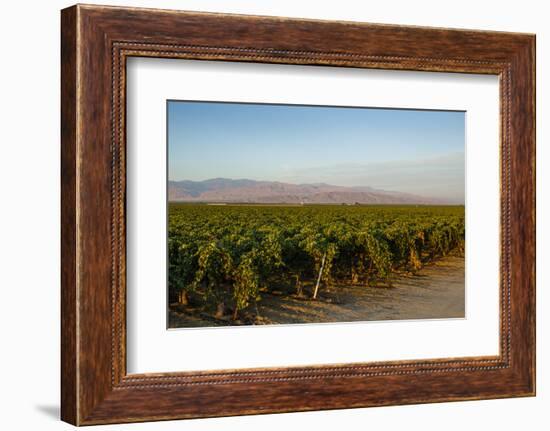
(95, 43)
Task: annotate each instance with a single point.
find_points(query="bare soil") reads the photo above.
(436, 291)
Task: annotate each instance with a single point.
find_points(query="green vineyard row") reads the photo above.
(228, 256)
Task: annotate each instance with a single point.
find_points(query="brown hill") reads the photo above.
(249, 191)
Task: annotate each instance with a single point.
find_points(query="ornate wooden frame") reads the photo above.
(95, 43)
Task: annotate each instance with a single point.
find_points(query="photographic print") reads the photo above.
(299, 214)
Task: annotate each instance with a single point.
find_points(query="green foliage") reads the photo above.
(231, 254)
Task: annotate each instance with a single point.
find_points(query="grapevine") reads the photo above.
(225, 258)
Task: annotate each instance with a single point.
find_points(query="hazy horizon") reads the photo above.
(408, 151)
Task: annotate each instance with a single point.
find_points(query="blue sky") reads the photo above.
(412, 151)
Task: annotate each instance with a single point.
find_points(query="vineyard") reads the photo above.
(224, 259)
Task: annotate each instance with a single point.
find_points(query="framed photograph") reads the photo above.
(264, 215)
(311, 240)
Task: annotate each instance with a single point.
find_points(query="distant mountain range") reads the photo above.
(223, 190)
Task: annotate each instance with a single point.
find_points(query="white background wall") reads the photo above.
(29, 215)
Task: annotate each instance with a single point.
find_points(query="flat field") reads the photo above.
(262, 264)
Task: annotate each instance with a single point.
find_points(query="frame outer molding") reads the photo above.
(69, 329)
(95, 41)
